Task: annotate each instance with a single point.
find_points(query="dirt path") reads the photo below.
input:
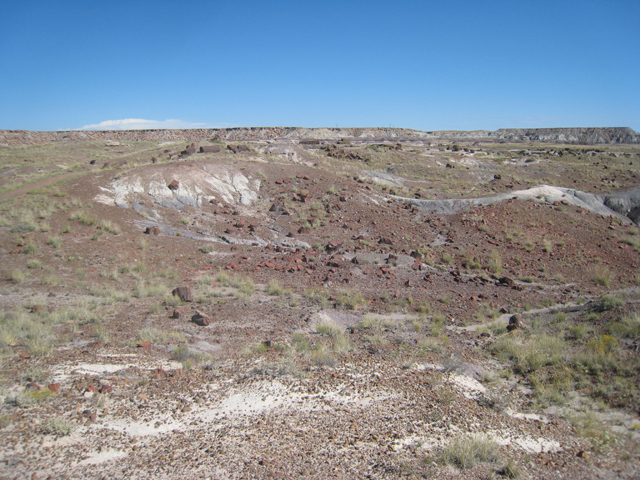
(39, 184)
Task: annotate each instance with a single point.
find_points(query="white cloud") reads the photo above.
(141, 124)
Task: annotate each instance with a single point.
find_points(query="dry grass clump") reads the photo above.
(274, 288)
(84, 218)
(244, 285)
(329, 328)
(318, 295)
(159, 336)
(602, 276)
(495, 262)
(34, 263)
(17, 276)
(466, 452)
(351, 300)
(58, 426)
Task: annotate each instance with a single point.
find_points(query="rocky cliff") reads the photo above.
(586, 136)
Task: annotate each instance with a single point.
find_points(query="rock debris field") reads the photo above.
(320, 303)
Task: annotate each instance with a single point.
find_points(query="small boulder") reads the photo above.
(516, 322)
(152, 231)
(201, 319)
(174, 185)
(185, 294)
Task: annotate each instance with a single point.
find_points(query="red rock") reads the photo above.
(106, 389)
(53, 387)
(145, 344)
(38, 308)
(24, 355)
(92, 388)
(178, 314)
(174, 185)
(201, 319)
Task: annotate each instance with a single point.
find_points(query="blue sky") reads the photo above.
(426, 65)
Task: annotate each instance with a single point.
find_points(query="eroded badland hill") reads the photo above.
(320, 303)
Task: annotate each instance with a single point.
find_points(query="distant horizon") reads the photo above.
(314, 128)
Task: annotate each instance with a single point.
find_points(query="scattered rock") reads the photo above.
(516, 322)
(185, 294)
(201, 319)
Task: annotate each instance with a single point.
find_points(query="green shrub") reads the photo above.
(23, 228)
(609, 302)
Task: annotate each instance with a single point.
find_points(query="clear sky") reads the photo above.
(428, 65)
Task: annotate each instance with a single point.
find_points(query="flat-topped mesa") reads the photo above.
(584, 136)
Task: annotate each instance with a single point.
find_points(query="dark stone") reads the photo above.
(516, 322)
(185, 294)
(201, 319)
(210, 149)
(174, 185)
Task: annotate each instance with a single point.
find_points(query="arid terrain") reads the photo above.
(320, 303)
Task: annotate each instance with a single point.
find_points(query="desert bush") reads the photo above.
(300, 342)
(466, 452)
(602, 276)
(23, 228)
(102, 334)
(182, 353)
(274, 288)
(204, 280)
(317, 295)
(633, 241)
(34, 263)
(84, 218)
(329, 328)
(609, 302)
(530, 354)
(277, 369)
(55, 242)
(207, 248)
(447, 259)
(159, 336)
(148, 289)
(341, 344)
(323, 358)
(17, 276)
(58, 426)
(626, 327)
(351, 300)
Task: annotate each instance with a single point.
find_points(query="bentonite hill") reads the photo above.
(320, 303)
